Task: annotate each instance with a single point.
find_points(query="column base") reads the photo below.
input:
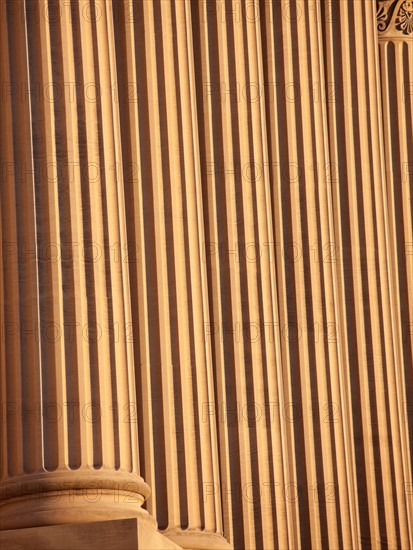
(55, 498)
(197, 540)
(122, 534)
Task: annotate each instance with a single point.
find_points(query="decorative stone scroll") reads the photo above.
(395, 18)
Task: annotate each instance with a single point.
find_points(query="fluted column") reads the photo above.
(367, 294)
(238, 252)
(178, 441)
(395, 34)
(305, 257)
(207, 270)
(68, 435)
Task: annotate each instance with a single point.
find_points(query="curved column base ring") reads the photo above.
(195, 539)
(71, 496)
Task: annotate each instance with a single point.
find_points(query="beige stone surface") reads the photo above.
(206, 293)
(70, 398)
(123, 534)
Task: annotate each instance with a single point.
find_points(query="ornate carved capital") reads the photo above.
(395, 18)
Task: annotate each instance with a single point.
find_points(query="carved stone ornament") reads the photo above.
(395, 18)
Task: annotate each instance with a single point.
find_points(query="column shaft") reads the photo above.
(306, 253)
(239, 252)
(69, 439)
(366, 292)
(169, 290)
(396, 62)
